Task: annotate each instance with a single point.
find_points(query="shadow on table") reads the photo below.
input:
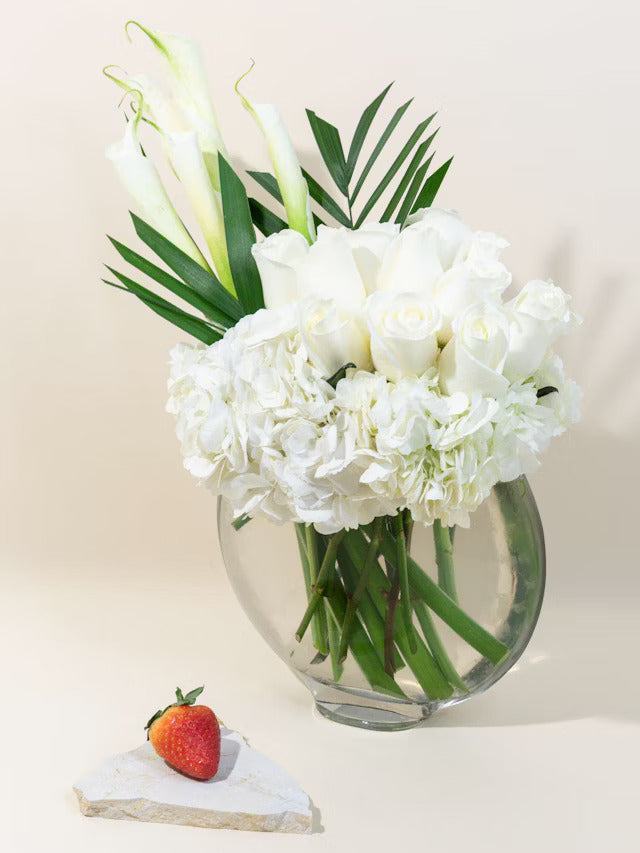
(583, 678)
(229, 750)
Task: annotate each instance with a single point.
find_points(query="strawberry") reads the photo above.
(187, 736)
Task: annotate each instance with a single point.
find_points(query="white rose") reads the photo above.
(329, 271)
(278, 258)
(452, 233)
(412, 262)
(404, 329)
(332, 336)
(474, 358)
(478, 276)
(368, 245)
(538, 316)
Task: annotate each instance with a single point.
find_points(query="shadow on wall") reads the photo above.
(604, 354)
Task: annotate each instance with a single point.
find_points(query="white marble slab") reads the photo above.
(248, 792)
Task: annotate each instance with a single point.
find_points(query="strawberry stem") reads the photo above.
(189, 699)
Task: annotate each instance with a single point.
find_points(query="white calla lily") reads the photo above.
(163, 110)
(188, 163)
(189, 79)
(141, 180)
(293, 187)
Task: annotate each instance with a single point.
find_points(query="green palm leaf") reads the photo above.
(322, 197)
(395, 166)
(187, 322)
(361, 131)
(395, 118)
(265, 221)
(173, 284)
(431, 186)
(412, 168)
(407, 203)
(268, 183)
(330, 147)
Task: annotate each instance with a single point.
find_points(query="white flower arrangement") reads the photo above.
(425, 419)
(360, 376)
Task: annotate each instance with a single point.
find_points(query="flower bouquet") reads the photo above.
(362, 381)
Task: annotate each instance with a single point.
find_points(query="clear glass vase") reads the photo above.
(383, 640)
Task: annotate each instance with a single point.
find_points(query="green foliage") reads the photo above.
(189, 271)
(241, 236)
(187, 322)
(201, 289)
(198, 287)
(265, 221)
(431, 186)
(330, 147)
(415, 187)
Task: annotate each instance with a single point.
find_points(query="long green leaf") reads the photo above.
(265, 221)
(361, 131)
(412, 168)
(241, 236)
(268, 182)
(412, 192)
(330, 147)
(322, 197)
(173, 284)
(431, 186)
(395, 118)
(397, 163)
(187, 322)
(203, 282)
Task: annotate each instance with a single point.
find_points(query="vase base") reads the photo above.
(375, 719)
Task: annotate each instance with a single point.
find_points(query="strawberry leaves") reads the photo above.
(181, 699)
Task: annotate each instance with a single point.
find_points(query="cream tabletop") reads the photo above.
(547, 759)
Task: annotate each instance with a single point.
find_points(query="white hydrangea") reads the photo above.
(259, 424)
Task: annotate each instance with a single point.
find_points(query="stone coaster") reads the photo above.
(248, 792)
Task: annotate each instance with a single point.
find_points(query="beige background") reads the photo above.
(112, 584)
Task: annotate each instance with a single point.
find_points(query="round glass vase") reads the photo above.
(472, 599)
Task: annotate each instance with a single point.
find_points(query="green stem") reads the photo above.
(362, 648)
(356, 597)
(370, 614)
(319, 627)
(408, 527)
(450, 613)
(333, 633)
(374, 609)
(319, 587)
(403, 577)
(437, 646)
(390, 622)
(444, 559)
